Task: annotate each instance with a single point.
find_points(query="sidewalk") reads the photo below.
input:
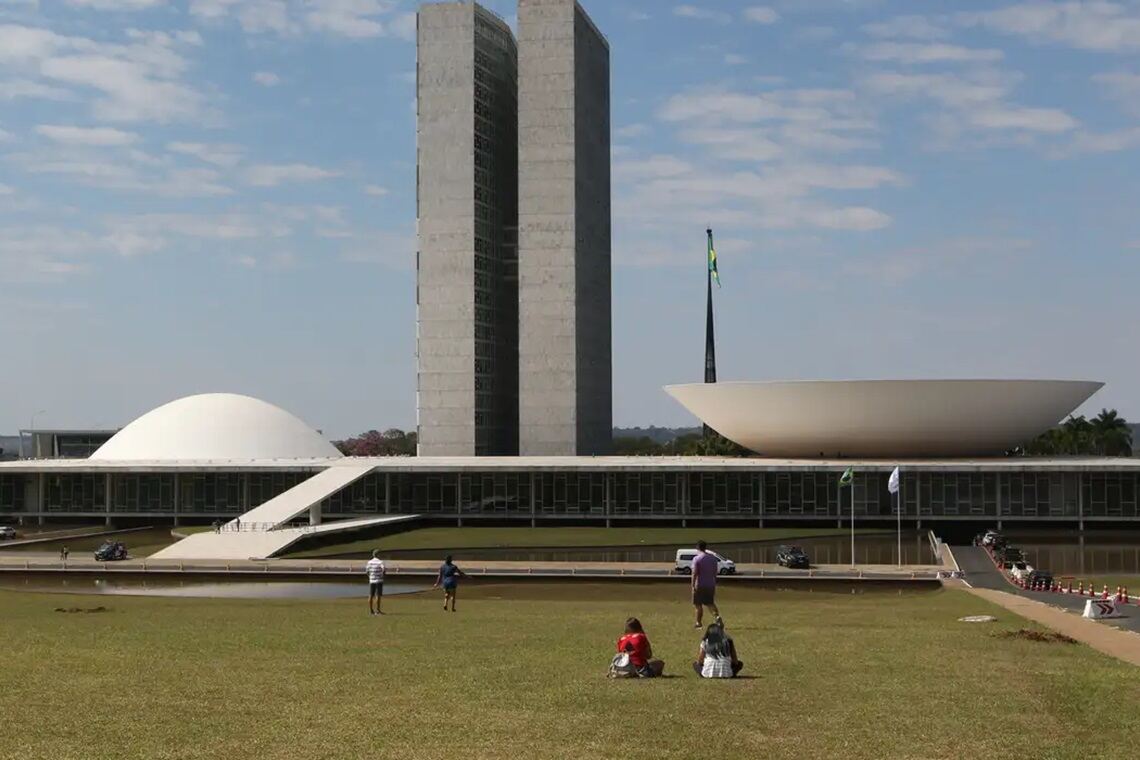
(35, 562)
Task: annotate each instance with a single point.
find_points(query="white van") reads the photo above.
(685, 562)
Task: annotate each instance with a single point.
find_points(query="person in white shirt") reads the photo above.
(375, 570)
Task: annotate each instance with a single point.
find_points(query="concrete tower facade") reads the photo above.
(565, 362)
(467, 209)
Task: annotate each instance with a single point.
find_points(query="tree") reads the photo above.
(391, 443)
(1107, 434)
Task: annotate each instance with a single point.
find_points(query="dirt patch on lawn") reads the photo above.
(1048, 637)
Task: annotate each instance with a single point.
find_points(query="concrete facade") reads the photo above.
(467, 209)
(565, 396)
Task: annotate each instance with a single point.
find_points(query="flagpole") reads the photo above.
(852, 522)
(710, 333)
(898, 513)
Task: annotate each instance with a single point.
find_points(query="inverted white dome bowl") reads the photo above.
(882, 418)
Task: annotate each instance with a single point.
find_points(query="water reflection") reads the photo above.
(211, 589)
(869, 549)
(1073, 553)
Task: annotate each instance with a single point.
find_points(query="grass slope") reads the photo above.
(518, 672)
(478, 538)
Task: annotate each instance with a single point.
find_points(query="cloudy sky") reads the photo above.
(204, 195)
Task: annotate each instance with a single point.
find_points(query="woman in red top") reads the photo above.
(636, 643)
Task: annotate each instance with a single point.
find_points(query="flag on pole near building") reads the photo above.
(893, 482)
(712, 260)
(847, 478)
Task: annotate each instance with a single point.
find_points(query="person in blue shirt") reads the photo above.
(448, 577)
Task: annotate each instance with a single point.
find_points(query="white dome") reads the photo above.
(216, 426)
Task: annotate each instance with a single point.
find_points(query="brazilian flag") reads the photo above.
(712, 260)
(847, 478)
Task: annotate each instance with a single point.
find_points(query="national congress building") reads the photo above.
(514, 374)
(513, 205)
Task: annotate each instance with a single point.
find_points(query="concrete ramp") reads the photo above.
(261, 544)
(298, 499)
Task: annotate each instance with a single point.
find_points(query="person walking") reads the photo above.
(705, 569)
(375, 569)
(63, 554)
(448, 577)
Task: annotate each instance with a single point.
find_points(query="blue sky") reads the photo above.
(215, 195)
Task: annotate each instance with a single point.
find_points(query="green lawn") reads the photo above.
(518, 673)
(479, 538)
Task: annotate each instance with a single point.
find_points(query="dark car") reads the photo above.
(792, 556)
(110, 551)
(1039, 577)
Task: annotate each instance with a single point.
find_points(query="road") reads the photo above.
(981, 573)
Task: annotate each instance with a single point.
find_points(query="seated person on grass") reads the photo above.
(716, 657)
(636, 644)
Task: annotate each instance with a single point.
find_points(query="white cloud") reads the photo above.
(735, 59)
(116, 5)
(973, 102)
(759, 14)
(266, 78)
(375, 190)
(218, 154)
(69, 135)
(921, 52)
(702, 14)
(271, 175)
(404, 26)
(1106, 142)
(631, 130)
(140, 79)
(26, 88)
(1093, 25)
(912, 27)
(1123, 87)
(1017, 117)
(354, 19)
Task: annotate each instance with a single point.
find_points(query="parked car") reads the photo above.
(7, 531)
(1020, 569)
(989, 537)
(1039, 576)
(111, 551)
(792, 556)
(684, 563)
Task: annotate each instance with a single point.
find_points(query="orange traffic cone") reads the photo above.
(1119, 594)
(1081, 588)
(1070, 586)
(1104, 593)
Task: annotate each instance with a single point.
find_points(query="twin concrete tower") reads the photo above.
(513, 205)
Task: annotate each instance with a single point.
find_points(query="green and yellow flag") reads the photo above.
(712, 260)
(847, 478)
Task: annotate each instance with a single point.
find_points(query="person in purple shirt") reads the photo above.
(705, 568)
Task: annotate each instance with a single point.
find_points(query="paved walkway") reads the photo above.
(29, 561)
(981, 573)
(1061, 612)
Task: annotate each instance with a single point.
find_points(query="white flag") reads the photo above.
(893, 483)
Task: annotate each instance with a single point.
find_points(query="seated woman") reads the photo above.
(716, 657)
(636, 644)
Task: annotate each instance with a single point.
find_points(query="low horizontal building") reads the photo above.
(219, 456)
